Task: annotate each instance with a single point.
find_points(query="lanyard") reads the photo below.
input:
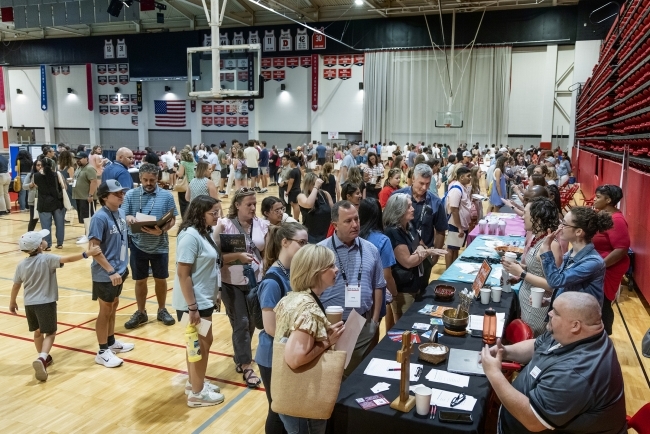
(115, 220)
(282, 267)
(250, 237)
(343, 274)
(152, 203)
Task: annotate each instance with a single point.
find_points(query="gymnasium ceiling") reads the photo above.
(37, 19)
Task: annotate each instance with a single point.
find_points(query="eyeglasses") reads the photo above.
(301, 243)
(562, 223)
(214, 213)
(458, 399)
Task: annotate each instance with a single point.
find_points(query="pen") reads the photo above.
(431, 413)
(395, 369)
(435, 409)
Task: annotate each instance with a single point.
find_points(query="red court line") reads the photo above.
(137, 362)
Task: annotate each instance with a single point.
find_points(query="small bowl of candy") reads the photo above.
(501, 250)
(444, 292)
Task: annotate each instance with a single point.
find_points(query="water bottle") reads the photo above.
(192, 343)
(490, 326)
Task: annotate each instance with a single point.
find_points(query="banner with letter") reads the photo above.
(43, 89)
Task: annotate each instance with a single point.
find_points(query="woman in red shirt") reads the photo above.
(613, 246)
(390, 185)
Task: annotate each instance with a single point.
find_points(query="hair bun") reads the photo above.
(604, 221)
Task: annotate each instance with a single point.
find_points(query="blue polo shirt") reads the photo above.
(264, 157)
(109, 227)
(157, 204)
(431, 219)
(119, 172)
(321, 151)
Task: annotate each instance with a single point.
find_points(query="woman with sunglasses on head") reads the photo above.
(315, 207)
(375, 171)
(195, 289)
(582, 268)
(300, 317)
(613, 246)
(274, 211)
(239, 273)
(283, 243)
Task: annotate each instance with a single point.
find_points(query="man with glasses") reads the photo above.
(150, 248)
(108, 230)
(572, 381)
(119, 169)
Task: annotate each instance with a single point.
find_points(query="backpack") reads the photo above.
(244, 167)
(444, 199)
(253, 299)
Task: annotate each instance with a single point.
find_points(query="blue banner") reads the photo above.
(43, 89)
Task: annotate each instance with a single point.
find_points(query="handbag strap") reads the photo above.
(318, 302)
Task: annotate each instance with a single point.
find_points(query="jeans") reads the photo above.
(59, 221)
(182, 203)
(22, 195)
(234, 299)
(273, 423)
(32, 221)
(296, 425)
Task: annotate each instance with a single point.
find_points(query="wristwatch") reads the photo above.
(523, 275)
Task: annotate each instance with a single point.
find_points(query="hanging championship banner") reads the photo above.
(138, 88)
(219, 109)
(244, 107)
(134, 120)
(278, 62)
(56, 70)
(125, 110)
(65, 70)
(101, 69)
(230, 77)
(243, 121)
(251, 81)
(278, 75)
(124, 79)
(314, 82)
(112, 80)
(345, 60)
(266, 63)
(89, 86)
(222, 77)
(345, 73)
(103, 109)
(305, 62)
(112, 68)
(242, 76)
(43, 89)
(3, 103)
(206, 121)
(114, 99)
(103, 99)
(267, 75)
(231, 121)
(230, 63)
(329, 74)
(329, 61)
(242, 64)
(206, 109)
(102, 80)
(231, 109)
(293, 62)
(114, 110)
(134, 98)
(124, 98)
(359, 59)
(219, 121)
(123, 68)
(134, 109)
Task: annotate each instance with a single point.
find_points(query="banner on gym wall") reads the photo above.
(43, 89)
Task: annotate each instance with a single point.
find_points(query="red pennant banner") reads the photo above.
(278, 62)
(345, 73)
(293, 62)
(266, 75)
(231, 121)
(305, 61)
(345, 60)
(266, 63)
(359, 59)
(314, 82)
(206, 121)
(243, 121)
(89, 88)
(329, 74)
(329, 61)
(3, 103)
(278, 75)
(219, 121)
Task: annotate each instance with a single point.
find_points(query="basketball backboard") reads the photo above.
(449, 119)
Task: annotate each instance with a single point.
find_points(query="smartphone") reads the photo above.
(477, 333)
(455, 417)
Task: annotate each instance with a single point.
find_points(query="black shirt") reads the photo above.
(406, 279)
(296, 176)
(577, 388)
(48, 192)
(330, 187)
(152, 158)
(317, 219)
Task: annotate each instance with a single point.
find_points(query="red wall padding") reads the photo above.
(638, 221)
(587, 164)
(610, 172)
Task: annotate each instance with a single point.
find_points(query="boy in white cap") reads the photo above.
(37, 273)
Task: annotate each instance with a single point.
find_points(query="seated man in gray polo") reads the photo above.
(149, 250)
(360, 282)
(572, 382)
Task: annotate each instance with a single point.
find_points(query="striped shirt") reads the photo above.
(155, 204)
(372, 273)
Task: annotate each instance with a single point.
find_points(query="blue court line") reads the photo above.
(90, 292)
(218, 414)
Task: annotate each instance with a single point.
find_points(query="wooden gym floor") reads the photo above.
(146, 394)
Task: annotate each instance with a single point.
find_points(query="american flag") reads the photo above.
(169, 113)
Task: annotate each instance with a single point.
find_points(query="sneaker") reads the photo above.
(204, 398)
(108, 359)
(273, 184)
(257, 189)
(222, 191)
(40, 369)
(165, 317)
(121, 347)
(48, 361)
(210, 386)
(82, 240)
(264, 190)
(136, 319)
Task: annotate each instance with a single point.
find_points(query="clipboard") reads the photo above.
(136, 228)
(481, 277)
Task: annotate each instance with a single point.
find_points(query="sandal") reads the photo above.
(252, 384)
(238, 368)
(59, 247)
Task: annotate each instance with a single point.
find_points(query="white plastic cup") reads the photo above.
(422, 400)
(485, 295)
(334, 313)
(536, 295)
(501, 228)
(496, 294)
(493, 226)
(482, 226)
(510, 257)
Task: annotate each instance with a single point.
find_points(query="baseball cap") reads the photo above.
(81, 155)
(550, 160)
(503, 150)
(32, 240)
(467, 154)
(109, 186)
(223, 142)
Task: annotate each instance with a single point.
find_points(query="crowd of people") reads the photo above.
(350, 227)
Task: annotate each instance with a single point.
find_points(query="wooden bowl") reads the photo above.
(501, 250)
(433, 358)
(454, 320)
(444, 292)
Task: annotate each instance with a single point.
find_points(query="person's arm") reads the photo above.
(13, 305)
(343, 174)
(188, 195)
(391, 286)
(289, 184)
(377, 302)
(614, 257)
(92, 251)
(309, 201)
(515, 269)
(268, 318)
(184, 273)
(212, 190)
(405, 258)
(580, 272)
(338, 190)
(497, 184)
(116, 279)
(92, 189)
(301, 347)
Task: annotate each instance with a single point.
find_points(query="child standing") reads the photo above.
(37, 273)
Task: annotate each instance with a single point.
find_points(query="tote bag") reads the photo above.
(181, 184)
(309, 391)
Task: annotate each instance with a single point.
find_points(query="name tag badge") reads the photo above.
(74, 183)
(123, 253)
(535, 372)
(352, 296)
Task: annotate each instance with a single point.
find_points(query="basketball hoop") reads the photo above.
(447, 125)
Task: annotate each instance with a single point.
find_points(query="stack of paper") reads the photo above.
(438, 376)
(476, 322)
(380, 387)
(391, 369)
(442, 398)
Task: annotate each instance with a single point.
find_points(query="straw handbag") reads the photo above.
(181, 184)
(310, 391)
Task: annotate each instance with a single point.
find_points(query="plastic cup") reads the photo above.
(422, 400)
(485, 295)
(510, 257)
(496, 294)
(536, 294)
(482, 226)
(334, 313)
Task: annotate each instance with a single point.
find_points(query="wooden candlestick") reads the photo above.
(404, 402)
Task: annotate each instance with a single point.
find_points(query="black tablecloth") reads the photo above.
(349, 417)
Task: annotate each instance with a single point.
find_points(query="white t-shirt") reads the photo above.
(201, 153)
(213, 158)
(168, 159)
(251, 155)
(458, 197)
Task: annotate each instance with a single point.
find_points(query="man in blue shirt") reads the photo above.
(151, 247)
(360, 283)
(348, 161)
(119, 169)
(263, 163)
(109, 269)
(321, 152)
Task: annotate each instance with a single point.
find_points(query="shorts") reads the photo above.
(105, 291)
(454, 230)
(320, 161)
(252, 172)
(41, 317)
(264, 170)
(293, 196)
(170, 170)
(239, 176)
(203, 313)
(224, 173)
(84, 209)
(140, 262)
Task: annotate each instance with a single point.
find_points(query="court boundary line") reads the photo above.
(221, 412)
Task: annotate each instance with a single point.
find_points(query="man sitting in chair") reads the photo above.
(572, 382)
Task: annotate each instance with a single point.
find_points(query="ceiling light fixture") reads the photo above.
(358, 2)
